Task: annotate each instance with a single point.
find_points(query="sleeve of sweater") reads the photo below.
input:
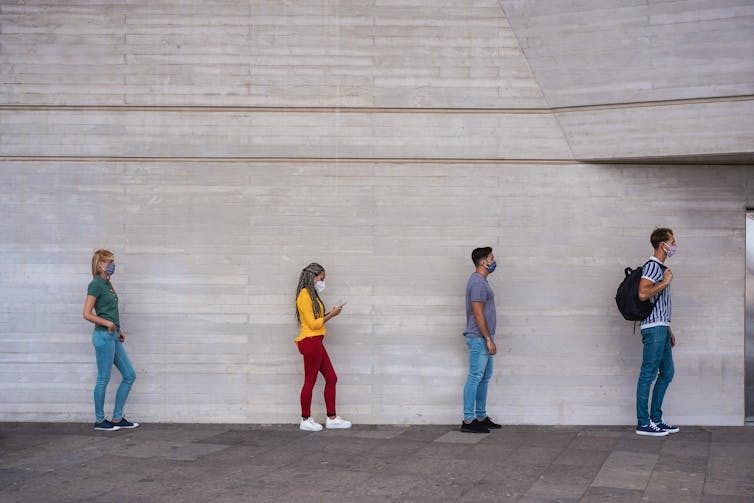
(306, 311)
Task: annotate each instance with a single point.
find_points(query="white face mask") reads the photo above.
(319, 286)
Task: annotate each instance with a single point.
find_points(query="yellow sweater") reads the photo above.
(310, 326)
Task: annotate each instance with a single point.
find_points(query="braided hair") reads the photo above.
(307, 280)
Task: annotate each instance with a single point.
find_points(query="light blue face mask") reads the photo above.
(110, 269)
(492, 266)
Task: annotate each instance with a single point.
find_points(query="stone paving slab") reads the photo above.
(373, 463)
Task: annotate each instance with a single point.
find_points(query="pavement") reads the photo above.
(60, 463)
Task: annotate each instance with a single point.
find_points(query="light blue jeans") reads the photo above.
(657, 363)
(110, 351)
(480, 372)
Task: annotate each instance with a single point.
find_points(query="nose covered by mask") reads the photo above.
(670, 250)
(492, 266)
(110, 269)
(319, 286)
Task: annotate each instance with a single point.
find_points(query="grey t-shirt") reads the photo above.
(479, 290)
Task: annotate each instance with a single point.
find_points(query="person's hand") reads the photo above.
(122, 336)
(672, 340)
(336, 310)
(667, 276)
(111, 327)
(491, 348)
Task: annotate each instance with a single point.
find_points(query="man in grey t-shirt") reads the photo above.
(481, 321)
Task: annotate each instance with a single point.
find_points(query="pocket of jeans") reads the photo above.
(102, 336)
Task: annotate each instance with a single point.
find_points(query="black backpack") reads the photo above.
(627, 296)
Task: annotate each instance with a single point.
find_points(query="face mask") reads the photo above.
(319, 286)
(110, 269)
(492, 266)
(671, 250)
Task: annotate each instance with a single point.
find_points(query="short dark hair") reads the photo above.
(480, 254)
(659, 236)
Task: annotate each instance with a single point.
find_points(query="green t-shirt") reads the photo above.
(106, 305)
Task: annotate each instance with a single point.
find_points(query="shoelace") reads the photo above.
(654, 426)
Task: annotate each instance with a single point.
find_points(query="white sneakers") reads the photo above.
(310, 425)
(337, 423)
(332, 424)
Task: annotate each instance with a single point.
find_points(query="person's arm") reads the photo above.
(307, 314)
(648, 288)
(477, 309)
(672, 337)
(90, 316)
(335, 311)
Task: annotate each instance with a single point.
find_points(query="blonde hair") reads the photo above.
(100, 256)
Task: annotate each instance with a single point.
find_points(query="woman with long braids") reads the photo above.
(101, 308)
(311, 316)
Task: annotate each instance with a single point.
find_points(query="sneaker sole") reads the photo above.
(675, 430)
(472, 431)
(114, 428)
(662, 433)
(338, 427)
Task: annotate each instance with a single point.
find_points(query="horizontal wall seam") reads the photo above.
(380, 110)
(309, 160)
(654, 161)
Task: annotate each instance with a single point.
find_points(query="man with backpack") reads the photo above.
(657, 337)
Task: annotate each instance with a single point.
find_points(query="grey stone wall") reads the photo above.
(209, 255)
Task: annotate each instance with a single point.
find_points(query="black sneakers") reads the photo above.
(110, 426)
(124, 423)
(489, 423)
(106, 426)
(474, 427)
(651, 430)
(668, 427)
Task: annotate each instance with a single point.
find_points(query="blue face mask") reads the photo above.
(110, 269)
(492, 266)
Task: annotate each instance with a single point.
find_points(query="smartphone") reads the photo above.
(343, 303)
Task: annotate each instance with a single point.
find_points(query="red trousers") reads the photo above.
(316, 360)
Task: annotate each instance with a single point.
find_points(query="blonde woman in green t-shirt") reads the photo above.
(101, 308)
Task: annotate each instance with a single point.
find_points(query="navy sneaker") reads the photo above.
(651, 429)
(124, 423)
(489, 423)
(106, 426)
(668, 427)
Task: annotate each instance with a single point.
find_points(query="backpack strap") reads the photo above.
(662, 266)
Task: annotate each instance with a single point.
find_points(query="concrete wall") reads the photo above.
(677, 76)
(587, 52)
(211, 146)
(209, 254)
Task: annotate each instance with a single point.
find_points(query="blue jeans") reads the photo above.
(110, 351)
(657, 363)
(480, 372)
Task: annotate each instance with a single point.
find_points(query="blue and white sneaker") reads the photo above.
(651, 429)
(668, 427)
(106, 426)
(124, 423)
